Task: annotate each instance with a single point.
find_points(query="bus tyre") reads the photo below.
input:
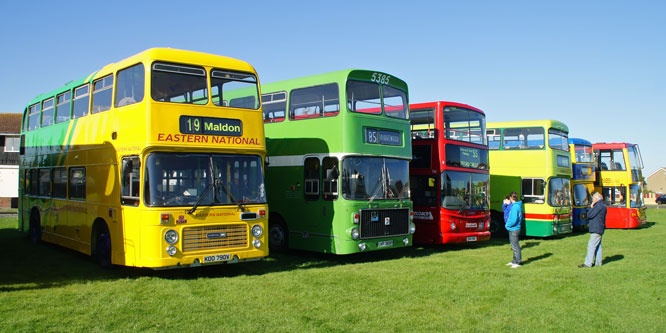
(35, 228)
(102, 253)
(278, 236)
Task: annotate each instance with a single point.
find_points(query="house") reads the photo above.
(10, 129)
(656, 182)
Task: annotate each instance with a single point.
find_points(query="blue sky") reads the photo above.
(598, 66)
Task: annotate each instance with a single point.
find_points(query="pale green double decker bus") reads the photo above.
(339, 148)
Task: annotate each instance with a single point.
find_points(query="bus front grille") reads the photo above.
(214, 237)
(377, 223)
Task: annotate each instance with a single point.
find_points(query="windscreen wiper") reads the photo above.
(203, 194)
(231, 196)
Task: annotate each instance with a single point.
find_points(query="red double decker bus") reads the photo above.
(449, 173)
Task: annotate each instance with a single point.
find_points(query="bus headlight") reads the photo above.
(354, 234)
(412, 228)
(453, 226)
(256, 243)
(362, 247)
(171, 236)
(171, 250)
(257, 231)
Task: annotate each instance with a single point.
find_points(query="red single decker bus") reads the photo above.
(449, 173)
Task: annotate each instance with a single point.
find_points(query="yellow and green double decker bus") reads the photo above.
(154, 161)
(338, 162)
(532, 159)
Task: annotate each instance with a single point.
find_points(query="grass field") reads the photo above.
(48, 288)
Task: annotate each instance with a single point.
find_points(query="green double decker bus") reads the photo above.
(339, 148)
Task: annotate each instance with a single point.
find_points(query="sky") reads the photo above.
(598, 66)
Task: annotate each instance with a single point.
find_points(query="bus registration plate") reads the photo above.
(217, 257)
(471, 239)
(385, 243)
(470, 225)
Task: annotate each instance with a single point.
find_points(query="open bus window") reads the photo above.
(463, 124)
(274, 106)
(559, 192)
(129, 186)
(395, 102)
(524, 138)
(234, 89)
(178, 84)
(611, 160)
(422, 123)
(311, 178)
(330, 178)
(533, 190)
(130, 85)
(314, 102)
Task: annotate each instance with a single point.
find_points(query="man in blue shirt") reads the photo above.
(596, 218)
(512, 225)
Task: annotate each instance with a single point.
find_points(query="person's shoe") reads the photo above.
(583, 266)
(509, 264)
(515, 265)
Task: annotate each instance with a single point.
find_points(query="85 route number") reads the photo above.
(380, 78)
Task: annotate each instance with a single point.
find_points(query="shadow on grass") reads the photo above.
(646, 225)
(610, 259)
(28, 266)
(537, 258)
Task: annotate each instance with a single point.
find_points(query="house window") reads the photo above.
(12, 144)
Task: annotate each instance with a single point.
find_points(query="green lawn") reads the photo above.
(48, 288)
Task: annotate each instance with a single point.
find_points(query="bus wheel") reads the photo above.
(102, 253)
(35, 227)
(278, 236)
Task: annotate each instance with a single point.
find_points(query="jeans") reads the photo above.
(593, 250)
(515, 246)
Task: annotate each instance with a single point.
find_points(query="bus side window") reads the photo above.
(81, 101)
(130, 85)
(330, 178)
(59, 182)
(77, 183)
(34, 182)
(129, 186)
(533, 190)
(45, 182)
(311, 178)
(47, 112)
(102, 89)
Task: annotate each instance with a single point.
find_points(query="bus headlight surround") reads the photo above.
(362, 247)
(354, 233)
(453, 226)
(412, 228)
(257, 231)
(171, 236)
(171, 250)
(256, 243)
(405, 241)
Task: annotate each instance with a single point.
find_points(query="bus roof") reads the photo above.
(443, 103)
(612, 145)
(529, 123)
(336, 76)
(578, 141)
(158, 53)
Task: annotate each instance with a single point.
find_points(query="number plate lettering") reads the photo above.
(385, 243)
(217, 257)
(471, 239)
